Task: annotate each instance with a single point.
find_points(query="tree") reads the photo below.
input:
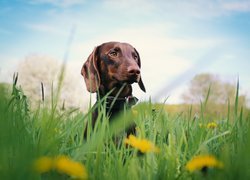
(37, 69)
(220, 92)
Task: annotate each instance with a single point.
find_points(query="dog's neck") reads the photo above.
(116, 90)
(117, 99)
(115, 104)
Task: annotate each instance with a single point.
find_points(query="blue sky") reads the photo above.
(171, 36)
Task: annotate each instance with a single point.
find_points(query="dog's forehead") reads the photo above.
(111, 45)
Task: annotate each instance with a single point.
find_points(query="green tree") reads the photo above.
(220, 92)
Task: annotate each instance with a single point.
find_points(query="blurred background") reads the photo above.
(186, 46)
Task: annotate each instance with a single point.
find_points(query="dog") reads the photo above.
(109, 72)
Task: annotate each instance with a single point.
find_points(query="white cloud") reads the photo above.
(45, 28)
(133, 6)
(199, 9)
(237, 6)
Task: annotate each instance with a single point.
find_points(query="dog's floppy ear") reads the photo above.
(90, 72)
(141, 85)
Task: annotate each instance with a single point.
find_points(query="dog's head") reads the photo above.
(112, 64)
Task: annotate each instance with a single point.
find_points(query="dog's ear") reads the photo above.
(90, 72)
(141, 85)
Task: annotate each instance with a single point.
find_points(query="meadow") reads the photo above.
(47, 142)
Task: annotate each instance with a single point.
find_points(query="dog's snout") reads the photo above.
(133, 70)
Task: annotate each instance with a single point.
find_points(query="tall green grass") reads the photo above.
(27, 134)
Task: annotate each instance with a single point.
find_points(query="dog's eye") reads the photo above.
(113, 53)
(135, 56)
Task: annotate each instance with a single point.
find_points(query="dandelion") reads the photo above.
(203, 162)
(212, 125)
(43, 164)
(61, 164)
(142, 144)
(75, 169)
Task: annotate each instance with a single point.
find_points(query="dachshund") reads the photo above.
(109, 72)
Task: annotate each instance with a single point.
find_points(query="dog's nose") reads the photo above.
(133, 70)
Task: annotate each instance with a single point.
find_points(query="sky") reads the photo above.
(176, 39)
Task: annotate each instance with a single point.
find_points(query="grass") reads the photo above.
(27, 134)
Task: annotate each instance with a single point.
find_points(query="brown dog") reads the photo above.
(109, 71)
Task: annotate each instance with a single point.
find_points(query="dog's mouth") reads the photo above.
(128, 80)
(131, 81)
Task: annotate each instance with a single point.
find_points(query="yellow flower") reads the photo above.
(43, 164)
(211, 125)
(203, 161)
(61, 164)
(142, 144)
(64, 165)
